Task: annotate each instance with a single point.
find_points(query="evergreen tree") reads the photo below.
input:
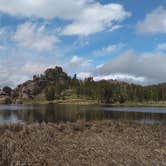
(50, 93)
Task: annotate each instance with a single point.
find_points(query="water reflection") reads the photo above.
(59, 113)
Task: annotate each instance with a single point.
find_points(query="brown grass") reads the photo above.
(83, 143)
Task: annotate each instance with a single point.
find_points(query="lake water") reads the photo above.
(64, 113)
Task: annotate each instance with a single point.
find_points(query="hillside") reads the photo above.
(55, 85)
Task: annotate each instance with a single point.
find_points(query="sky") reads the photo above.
(107, 39)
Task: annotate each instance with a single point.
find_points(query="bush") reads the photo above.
(7, 90)
(50, 93)
(8, 100)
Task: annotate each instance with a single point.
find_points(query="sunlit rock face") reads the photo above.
(36, 87)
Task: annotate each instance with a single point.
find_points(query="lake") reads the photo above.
(63, 113)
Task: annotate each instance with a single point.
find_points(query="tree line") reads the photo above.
(104, 91)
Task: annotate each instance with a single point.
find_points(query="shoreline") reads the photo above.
(84, 143)
(93, 102)
(142, 104)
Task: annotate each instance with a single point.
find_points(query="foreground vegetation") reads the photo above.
(83, 143)
(56, 86)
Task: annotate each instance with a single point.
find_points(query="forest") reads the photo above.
(54, 82)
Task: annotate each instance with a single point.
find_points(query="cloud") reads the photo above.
(122, 77)
(154, 22)
(47, 9)
(86, 16)
(5, 34)
(109, 49)
(99, 66)
(11, 76)
(1, 47)
(77, 61)
(20, 66)
(83, 75)
(96, 18)
(149, 67)
(20, 71)
(34, 68)
(34, 37)
(112, 48)
(161, 46)
(115, 27)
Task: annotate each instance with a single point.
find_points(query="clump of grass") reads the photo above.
(83, 143)
(10, 127)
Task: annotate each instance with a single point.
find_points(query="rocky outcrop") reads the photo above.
(36, 87)
(67, 92)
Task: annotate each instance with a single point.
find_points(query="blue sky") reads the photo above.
(106, 39)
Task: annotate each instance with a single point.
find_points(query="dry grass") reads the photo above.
(83, 143)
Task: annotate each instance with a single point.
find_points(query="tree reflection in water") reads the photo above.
(64, 113)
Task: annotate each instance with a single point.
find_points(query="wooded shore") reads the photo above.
(94, 102)
(83, 143)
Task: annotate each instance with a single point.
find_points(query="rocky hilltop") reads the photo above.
(54, 78)
(55, 85)
(37, 87)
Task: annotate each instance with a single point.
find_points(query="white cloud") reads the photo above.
(11, 76)
(20, 66)
(96, 18)
(83, 75)
(5, 34)
(34, 37)
(1, 47)
(154, 22)
(75, 60)
(47, 9)
(79, 62)
(2, 31)
(86, 16)
(149, 66)
(122, 77)
(115, 27)
(161, 46)
(109, 49)
(34, 68)
(99, 66)
(20, 71)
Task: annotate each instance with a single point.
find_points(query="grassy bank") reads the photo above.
(84, 101)
(142, 104)
(67, 100)
(83, 143)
